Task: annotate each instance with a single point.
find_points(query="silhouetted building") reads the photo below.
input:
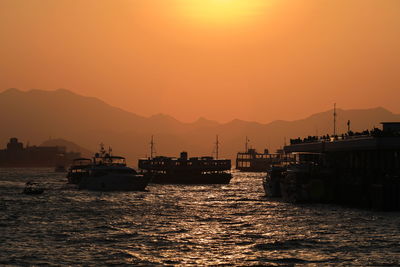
(391, 127)
(16, 155)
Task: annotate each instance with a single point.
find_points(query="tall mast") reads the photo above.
(334, 119)
(152, 147)
(217, 148)
(246, 144)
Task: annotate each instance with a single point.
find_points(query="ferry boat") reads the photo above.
(184, 170)
(106, 172)
(253, 161)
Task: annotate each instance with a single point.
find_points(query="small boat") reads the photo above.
(32, 188)
(109, 173)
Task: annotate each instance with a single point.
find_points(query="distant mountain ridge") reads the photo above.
(35, 115)
(70, 147)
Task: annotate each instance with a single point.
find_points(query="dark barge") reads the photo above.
(365, 167)
(184, 170)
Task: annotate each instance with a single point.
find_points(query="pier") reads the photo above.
(366, 168)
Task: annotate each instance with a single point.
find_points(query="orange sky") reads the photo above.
(221, 59)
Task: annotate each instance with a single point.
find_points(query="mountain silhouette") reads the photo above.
(37, 115)
(70, 146)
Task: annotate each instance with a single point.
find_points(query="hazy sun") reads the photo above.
(221, 11)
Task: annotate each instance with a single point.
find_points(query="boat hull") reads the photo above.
(272, 188)
(114, 182)
(300, 187)
(215, 178)
(250, 169)
(272, 181)
(76, 178)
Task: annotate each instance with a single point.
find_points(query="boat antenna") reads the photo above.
(334, 120)
(217, 148)
(152, 149)
(246, 144)
(102, 150)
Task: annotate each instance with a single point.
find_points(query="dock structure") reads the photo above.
(366, 168)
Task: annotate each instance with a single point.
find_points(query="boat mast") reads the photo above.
(246, 144)
(217, 148)
(102, 150)
(334, 120)
(152, 150)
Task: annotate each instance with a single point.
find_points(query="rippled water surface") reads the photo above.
(184, 225)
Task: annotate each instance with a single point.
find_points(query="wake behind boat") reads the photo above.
(106, 172)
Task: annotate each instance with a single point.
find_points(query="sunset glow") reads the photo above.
(222, 11)
(263, 59)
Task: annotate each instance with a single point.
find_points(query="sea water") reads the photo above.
(231, 224)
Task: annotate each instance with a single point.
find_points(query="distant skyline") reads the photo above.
(239, 59)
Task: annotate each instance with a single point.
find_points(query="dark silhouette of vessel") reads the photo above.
(253, 161)
(32, 188)
(79, 168)
(272, 180)
(106, 172)
(184, 170)
(304, 178)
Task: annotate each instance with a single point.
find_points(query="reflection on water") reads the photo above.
(170, 224)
